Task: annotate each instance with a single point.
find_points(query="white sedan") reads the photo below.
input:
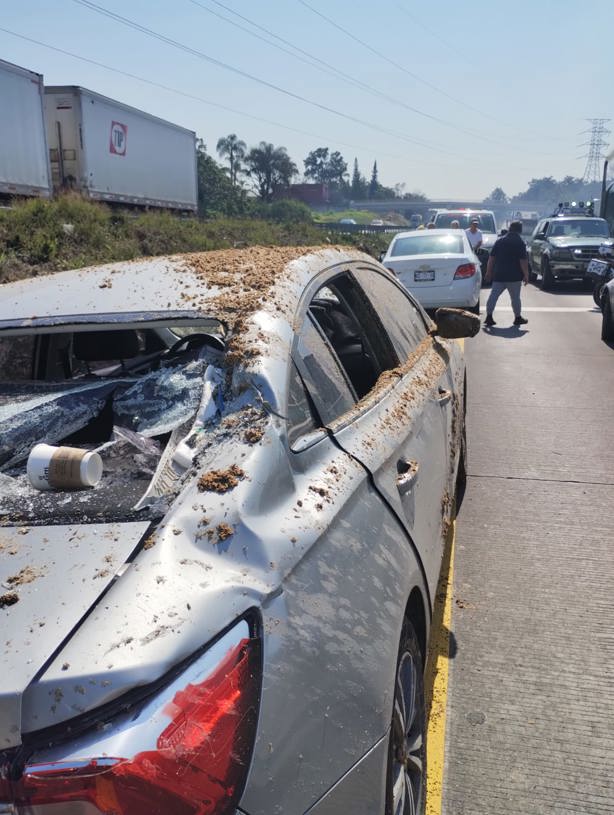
(438, 266)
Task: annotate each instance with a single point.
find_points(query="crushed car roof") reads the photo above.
(224, 284)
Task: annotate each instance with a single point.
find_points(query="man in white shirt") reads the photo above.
(474, 235)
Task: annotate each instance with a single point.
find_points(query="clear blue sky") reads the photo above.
(500, 91)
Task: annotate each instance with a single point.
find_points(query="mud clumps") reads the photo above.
(26, 575)
(224, 531)
(221, 480)
(149, 542)
(8, 599)
(253, 435)
(244, 279)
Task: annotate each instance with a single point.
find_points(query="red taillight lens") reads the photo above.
(466, 270)
(200, 762)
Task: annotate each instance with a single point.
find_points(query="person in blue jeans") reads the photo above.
(508, 268)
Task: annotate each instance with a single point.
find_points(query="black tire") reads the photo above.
(597, 290)
(532, 274)
(475, 309)
(406, 779)
(547, 280)
(607, 323)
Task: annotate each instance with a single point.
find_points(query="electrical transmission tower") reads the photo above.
(594, 157)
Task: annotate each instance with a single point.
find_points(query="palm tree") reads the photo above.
(270, 167)
(232, 147)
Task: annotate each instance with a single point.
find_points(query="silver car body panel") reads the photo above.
(57, 573)
(323, 544)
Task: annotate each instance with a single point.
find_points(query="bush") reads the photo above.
(40, 237)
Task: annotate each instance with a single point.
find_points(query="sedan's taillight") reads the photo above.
(466, 270)
(196, 766)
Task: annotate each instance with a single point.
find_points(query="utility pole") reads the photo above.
(595, 156)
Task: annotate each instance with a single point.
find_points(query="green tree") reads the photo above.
(497, 196)
(269, 167)
(234, 149)
(325, 168)
(374, 183)
(337, 168)
(316, 165)
(358, 186)
(216, 193)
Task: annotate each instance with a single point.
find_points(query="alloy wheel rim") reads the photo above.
(407, 741)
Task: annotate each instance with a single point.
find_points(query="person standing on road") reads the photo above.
(474, 236)
(508, 268)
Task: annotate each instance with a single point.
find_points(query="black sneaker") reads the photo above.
(520, 321)
(489, 320)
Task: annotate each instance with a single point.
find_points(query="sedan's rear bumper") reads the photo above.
(458, 294)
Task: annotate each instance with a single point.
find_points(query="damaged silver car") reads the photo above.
(234, 617)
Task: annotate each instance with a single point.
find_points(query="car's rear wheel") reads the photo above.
(406, 783)
(475, 309)
(607, 323)
(547, 280)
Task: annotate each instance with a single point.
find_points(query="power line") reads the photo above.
(396, 64)
(321, 65)
(187, 95)
(201, 55)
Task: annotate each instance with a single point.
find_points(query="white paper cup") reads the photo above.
(63, 468)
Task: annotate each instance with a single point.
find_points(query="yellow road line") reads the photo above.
(436, 678)
(436, 687)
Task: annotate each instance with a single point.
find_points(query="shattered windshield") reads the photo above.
(131, 396)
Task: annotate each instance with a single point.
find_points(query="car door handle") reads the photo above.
(444, 396)
(407, 475)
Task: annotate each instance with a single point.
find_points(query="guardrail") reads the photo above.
(362, 229)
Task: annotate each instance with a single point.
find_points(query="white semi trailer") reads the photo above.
(112, 152)
(24, 161)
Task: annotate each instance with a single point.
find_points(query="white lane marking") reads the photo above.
(567, 309)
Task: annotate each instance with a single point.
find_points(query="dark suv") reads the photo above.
(562, 246)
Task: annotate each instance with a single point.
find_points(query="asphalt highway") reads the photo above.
(530, 711)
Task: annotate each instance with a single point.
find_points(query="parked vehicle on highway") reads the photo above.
(601, 270)
(112, 152)
(245, 596)
(24, 161)
(562, 246)
(438, 266)
(607, 311)
(443, 218)
(59, 138)
(347, 221)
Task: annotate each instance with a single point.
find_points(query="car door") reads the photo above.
(400, 425)
(333, 629)
(538, 245)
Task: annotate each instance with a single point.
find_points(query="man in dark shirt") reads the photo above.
(508, 268)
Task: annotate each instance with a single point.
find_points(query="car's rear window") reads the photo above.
(428, 245)
(486, 221)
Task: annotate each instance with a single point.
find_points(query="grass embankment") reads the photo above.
(41, 237)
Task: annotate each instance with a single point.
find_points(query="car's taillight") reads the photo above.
(197, 766)
(465, 270)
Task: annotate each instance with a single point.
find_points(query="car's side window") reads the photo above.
(325, 381)
(402, 320)
(341, 348)
(545, 227)
(301, 414)
(354, 331)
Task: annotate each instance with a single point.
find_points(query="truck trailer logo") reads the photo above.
(119, 138)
